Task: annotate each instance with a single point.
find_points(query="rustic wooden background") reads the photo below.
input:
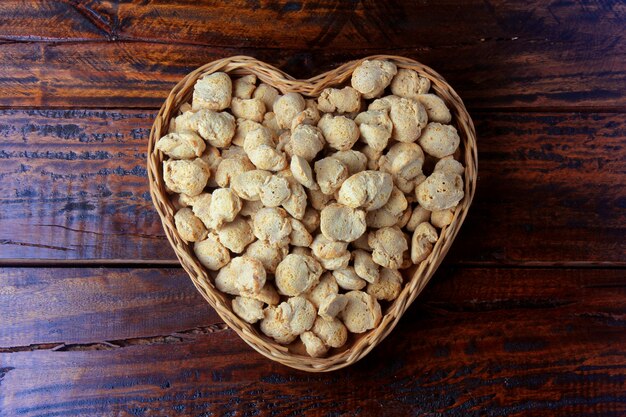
(527, 315)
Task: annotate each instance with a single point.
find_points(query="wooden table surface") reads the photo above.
(527, 315)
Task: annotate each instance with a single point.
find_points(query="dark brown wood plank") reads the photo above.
(75, 186)
(92, 305)
(323, 24)
(496, 342)
(45, 20)
(486, 74)
(551, 189)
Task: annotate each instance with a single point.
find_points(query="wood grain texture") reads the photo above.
(512, 342)
(75, 186)
(78, 306)
(494, 334)
(140, 74)
(323, 24)
(45, 20)
(551, 189)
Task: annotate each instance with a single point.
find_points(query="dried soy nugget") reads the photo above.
(300, 204)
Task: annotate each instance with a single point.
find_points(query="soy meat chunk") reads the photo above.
(409, 84)
(201, 206)
(388, 287)
(327, 286)
(439, 140)
(267, 94)
(217, 128)
(267, 295)
(270, 122)
(186, 177)
(304, 315)
(333, 264)
(230, 168)
(248, 309)
(404, 218)
(250, 108)
(272, 225)
(268, 254)
(261, 149)
(314, 346)
(332, 332)
(389, 214)
(236, 235)
(330, 174)
(225, 205)
(211, 253)
(375, 128)
(362, 312)
(318, 199)
(299, 236)
(243, 87)
(276, 322)
(311, 219)
(242, 128)
(242, 274)
(324, 248)
(302, 172)
(189, 226)
(185, 145)
(389, 245)
(287, 107)
(306, 142)
(424, 236)
(251, 275)
(247, 185)
(309, 116)
(435, 108)
(365, 267)
(372, 77)
(249, 208)
(442, 218)
(408, 117)
(367, 189)
(334, 100)
(373, 155)
(184, 122)
(355, 161)
(274, 191)
(234, 151)
(339, 222)
(419, 215)
(340, 132)
(297, 274)
(332, 306)
(212, 92)
(404, 161)
(449, 164)
(296, 204)
(348, 279)
(441, 190)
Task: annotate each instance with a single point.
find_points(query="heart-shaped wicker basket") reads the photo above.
(416, 277)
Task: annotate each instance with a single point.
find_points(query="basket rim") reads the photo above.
(422, 273)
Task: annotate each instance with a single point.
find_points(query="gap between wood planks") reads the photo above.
(173, 264)
(174, 337)
(513, 109)
(8, 39)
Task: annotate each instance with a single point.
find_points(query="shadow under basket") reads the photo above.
(415, 278)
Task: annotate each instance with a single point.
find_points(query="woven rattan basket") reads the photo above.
(416, 278)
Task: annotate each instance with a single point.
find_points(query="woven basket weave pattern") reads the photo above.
(415, 278)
